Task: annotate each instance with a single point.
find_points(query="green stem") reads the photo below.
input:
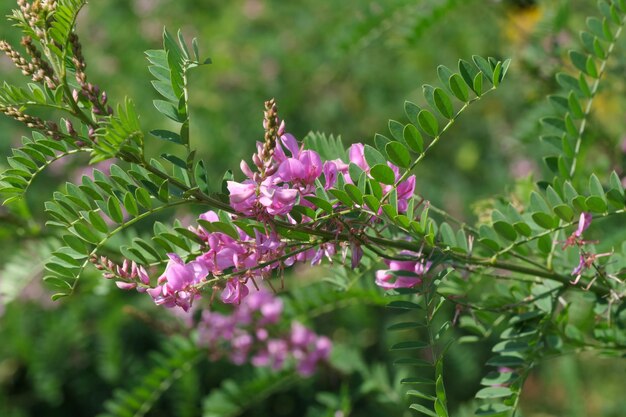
(422, 155)
(594, 90)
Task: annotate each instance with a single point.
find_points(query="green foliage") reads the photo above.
(30, 160)
(233, 398)
(510, 268)
(177, 357)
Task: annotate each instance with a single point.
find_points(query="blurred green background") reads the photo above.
(336, 67)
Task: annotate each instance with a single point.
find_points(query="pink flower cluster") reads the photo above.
(403, 273)
(586, 259)
(285, 180)
(250, 334)
(248, 257)
(280, 182)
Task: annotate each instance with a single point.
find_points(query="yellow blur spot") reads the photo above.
(521, 22)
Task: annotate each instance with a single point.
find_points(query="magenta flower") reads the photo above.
(291, 143)
(402, 274)
(583, 223)
(179, 276)
(278, 200)
(243, 196)
(356, 155)
(576, 237)
(405, 192)
(291, 170)
(176, 286)
(330, 174)
(312, 166)
(234, 292)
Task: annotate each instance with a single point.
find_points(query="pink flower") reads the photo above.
(576, 237)
(176, 286)
(291, 170)
(291, 143)
(234, 292)
(405, 192)
(312, 164)
(243, 196)
(356, 155)
(583, 223)
(402, 274)
(278, 200)
(330, 174)
(179, 276)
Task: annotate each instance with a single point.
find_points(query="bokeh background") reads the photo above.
(336, 67)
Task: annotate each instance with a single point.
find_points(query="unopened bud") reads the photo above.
(69, 127)
(281, 129)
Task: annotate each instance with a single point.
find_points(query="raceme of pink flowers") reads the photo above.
(251, 335)
(284, 181)
(278, 184)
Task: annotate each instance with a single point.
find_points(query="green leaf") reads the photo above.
(484, 66)
(167, 136)
(443, 103)
(413, 138)
(86, 233)
(497, 74)
(372, 202)
(341, 196)
(320, 203)
(505, 230)
(419, 394)
(596, 204)
(584, 63)
(417, 381)
(447, 235)
(599, 28)
(478, 84)
(355, 194)
(381, 141)
(383, 173)
(396, 129)
(459, 88)
(421, 409)
(405, 325)
(569, 83)
(398, 154)
(595, 186)
(444, 73)
(372, 156)
(493, 410)
(494, 392)
(616, 183)
(544, 220)
(114, 210)
(564, 212)
(428, 122)
(130, 204)
(97, 222)
(143, 198)
(498, 378)
(168, 110)
(412, 345)
(411, 110)
(506, 361)
(468, 73)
